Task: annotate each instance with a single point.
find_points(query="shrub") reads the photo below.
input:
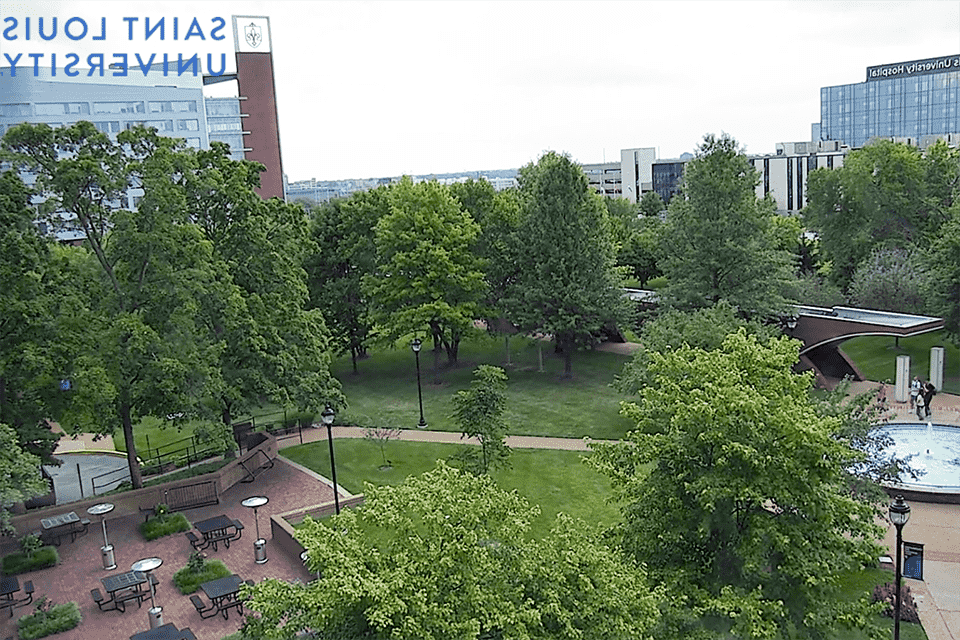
(197, 571)
(164, 524)
(887, 593)
(21, 563)
(48, 619)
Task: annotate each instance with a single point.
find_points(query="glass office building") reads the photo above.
(899, 100)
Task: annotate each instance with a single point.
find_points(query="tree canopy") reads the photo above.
(427, 276)
(886, 193)
(735, 497)
(566, 285)
(446, 555)
(718, 242)
(197, 294)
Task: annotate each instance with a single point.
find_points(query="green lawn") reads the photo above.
(384, 392)
(856, 584)
(554, 480)
(876, 357)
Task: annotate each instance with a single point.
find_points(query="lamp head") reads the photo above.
(899, 512)
(415, 344)
(328, 415)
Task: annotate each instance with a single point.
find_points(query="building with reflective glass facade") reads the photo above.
(900, 100)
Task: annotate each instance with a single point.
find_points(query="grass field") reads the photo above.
(876, 357)
(554, 480)
(856, 584)
(384, 392)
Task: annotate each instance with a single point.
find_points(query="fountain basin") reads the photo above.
(933, 449)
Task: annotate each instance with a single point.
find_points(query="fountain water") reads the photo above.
(933, 450)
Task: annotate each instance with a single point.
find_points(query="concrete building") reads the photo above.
(169, 97)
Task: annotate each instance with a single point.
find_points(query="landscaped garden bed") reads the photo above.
(31, 557)
(47, 619)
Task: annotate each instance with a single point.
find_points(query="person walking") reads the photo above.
(929, 390)
(920, 406)
(914, 391)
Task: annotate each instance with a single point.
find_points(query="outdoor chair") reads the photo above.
(204, 612)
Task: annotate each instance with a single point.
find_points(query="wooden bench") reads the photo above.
(188, 496)
(256, 464)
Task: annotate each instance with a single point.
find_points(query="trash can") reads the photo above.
(260, 551)
(156, 617)
(108, 560)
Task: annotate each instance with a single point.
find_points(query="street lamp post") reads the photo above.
(899, 514)
(327, 416)
(415, 345)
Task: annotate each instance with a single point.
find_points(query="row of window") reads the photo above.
(897, 102)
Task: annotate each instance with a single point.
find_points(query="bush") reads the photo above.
(887, 593)
(197, 571)
(48, 619)
(21, 562)
(164, 524)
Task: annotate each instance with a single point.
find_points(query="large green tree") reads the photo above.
(735, 494)
(427, 276)
(446, 555)
(21, 477)
(342, 231)
(671, 329)
(944, 266)
(274, 349)
(886, 193)
(27, 326)
(143, 348)
(719, 242)
(566, 285)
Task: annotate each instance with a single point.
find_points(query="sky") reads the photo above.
(382, 89)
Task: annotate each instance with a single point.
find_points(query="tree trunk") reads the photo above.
(136, 479)
(353, 358)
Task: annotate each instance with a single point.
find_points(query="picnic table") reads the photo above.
(55, 528)
(167, 631)
(123, 587)
(223, 594)
(9, 587)
(218, 529)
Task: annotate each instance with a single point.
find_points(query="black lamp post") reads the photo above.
(899, 514)
(415, 345)
(327, 416)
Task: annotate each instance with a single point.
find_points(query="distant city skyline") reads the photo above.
(372, 89)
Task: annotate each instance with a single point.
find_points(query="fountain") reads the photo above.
(934, 451)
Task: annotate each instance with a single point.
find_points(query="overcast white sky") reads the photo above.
(378, 89)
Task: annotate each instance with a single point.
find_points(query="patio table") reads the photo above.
(122, 587)
(223, 593)
(167, 631)
(217, 529)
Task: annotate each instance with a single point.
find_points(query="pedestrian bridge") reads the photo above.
(818, 327)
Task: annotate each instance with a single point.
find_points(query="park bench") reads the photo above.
(256, 464)
(189, 496)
